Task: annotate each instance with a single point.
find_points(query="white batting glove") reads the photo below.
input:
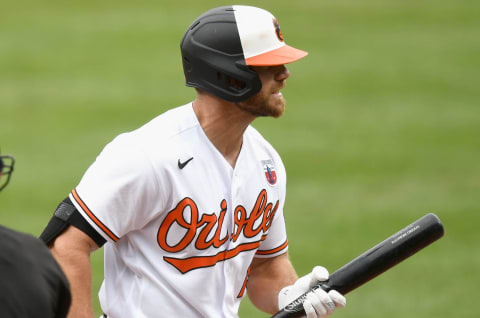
(318, 303)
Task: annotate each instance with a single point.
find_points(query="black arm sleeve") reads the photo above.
(66, 214)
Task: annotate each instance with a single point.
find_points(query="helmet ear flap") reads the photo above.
(241, 88)
(252, 82)
(233, 88)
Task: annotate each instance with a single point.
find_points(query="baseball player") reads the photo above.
(189, 207)
(31, 282)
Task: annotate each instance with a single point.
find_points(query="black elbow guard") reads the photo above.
(66, 214)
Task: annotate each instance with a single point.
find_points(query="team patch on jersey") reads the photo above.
(270, 173)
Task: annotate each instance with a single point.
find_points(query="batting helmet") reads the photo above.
(221, 44)
(6, 168)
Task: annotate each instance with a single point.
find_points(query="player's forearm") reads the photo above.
(267, 278)
(74, 258)
(80, 277)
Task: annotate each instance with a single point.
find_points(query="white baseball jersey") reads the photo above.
(182, 225)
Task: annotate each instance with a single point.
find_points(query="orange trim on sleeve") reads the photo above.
(274, 250)
(92, 216)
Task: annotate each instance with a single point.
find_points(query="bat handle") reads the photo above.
(295, 308)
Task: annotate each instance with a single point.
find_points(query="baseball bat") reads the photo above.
(375, 261)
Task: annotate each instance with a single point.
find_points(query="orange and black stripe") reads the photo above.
(273, 250)
(92, 216)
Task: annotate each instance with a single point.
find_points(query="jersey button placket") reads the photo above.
(233, 199)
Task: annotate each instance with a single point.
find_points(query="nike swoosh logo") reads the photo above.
(182, 165)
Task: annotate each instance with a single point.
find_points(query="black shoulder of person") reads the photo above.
(32, 283)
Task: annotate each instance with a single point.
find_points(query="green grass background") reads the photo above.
(382, 125)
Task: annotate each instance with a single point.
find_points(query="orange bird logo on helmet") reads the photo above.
(278, 32)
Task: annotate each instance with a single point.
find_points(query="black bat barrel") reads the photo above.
(375, 261)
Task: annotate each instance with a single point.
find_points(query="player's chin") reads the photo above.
(277, 106)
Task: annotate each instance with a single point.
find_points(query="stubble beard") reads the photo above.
(263, 105)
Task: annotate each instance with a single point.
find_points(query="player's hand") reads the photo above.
(318, 303)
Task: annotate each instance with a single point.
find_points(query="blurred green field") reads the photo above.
(382, 126)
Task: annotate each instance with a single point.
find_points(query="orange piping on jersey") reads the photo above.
(245, 282)
(93, 217)
(272, 251)
(187, 264)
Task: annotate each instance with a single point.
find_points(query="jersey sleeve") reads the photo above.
(119, 192)
(276, 242)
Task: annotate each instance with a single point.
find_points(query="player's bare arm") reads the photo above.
(72, 251)
(273, 283)
(267, 277)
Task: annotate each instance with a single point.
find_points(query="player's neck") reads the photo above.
(223, 123)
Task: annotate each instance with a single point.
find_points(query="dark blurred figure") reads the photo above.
(32, 283)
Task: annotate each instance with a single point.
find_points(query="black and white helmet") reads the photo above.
(221, 44)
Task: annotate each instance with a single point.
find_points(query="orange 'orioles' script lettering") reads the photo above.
(197, 231)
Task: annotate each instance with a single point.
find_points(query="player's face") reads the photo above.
(269, 101)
